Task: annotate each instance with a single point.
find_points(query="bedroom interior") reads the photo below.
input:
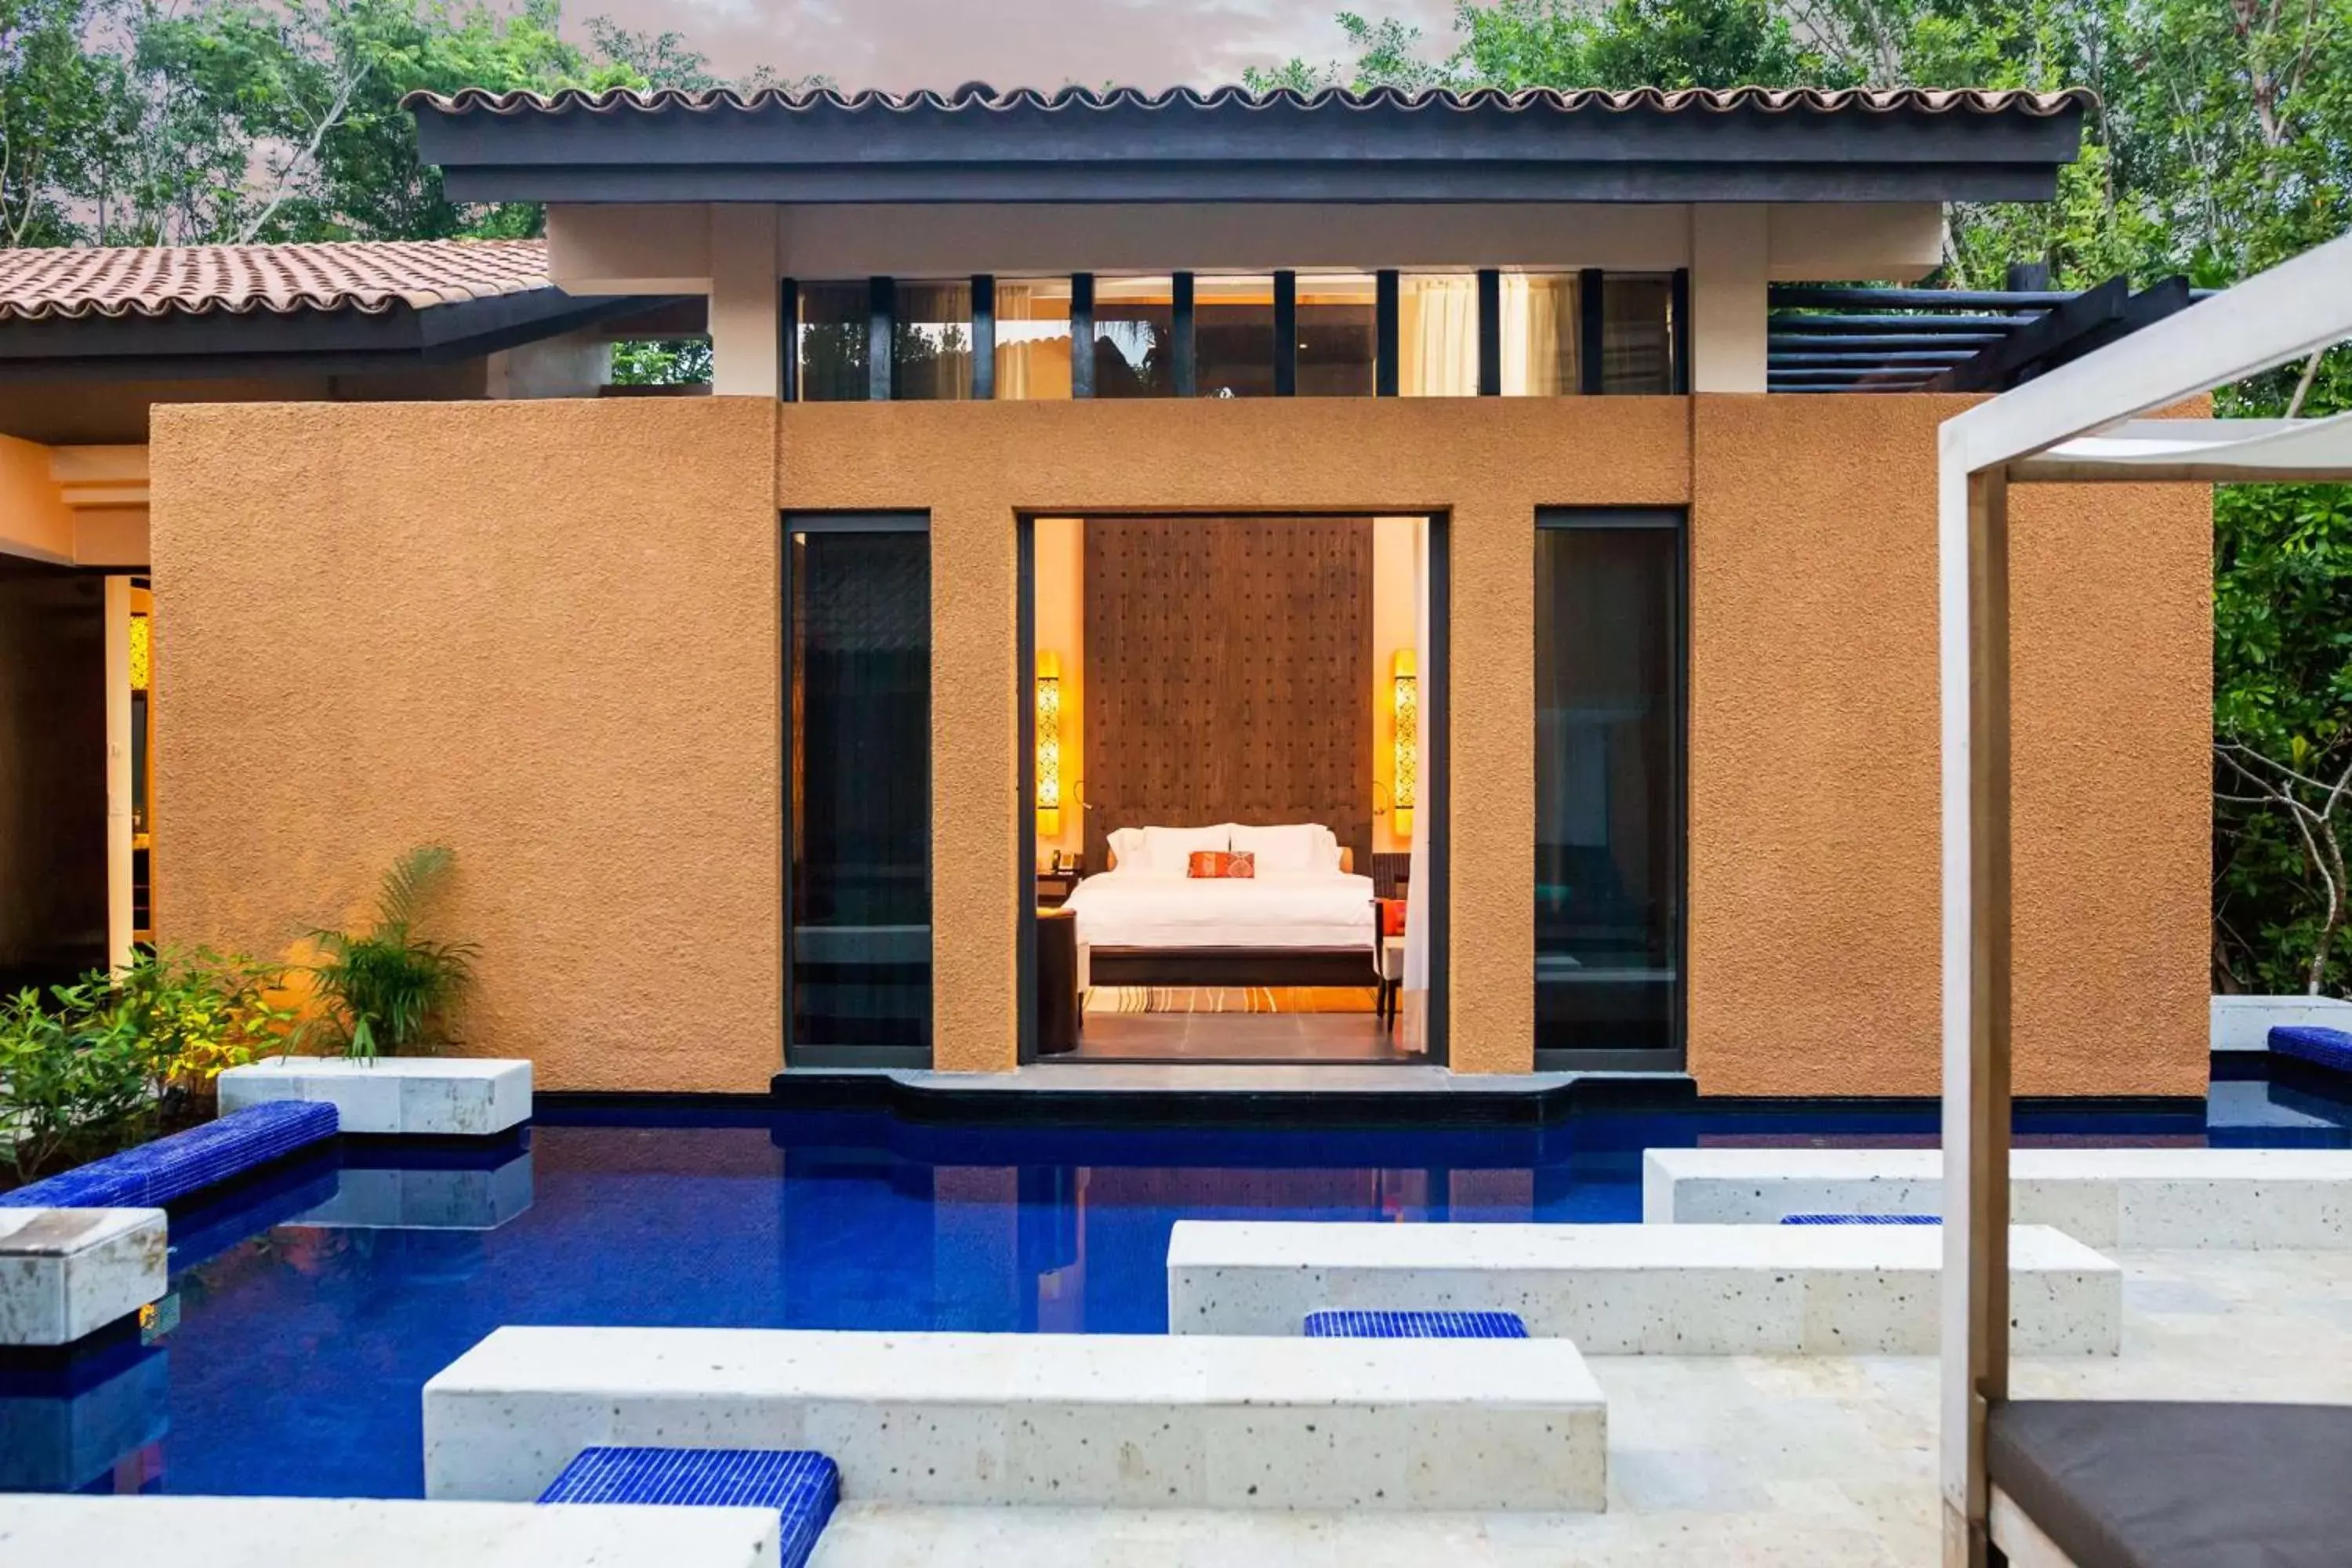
(1226, 753)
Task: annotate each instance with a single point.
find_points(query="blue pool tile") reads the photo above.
(1861, 1219)
(2307, 1042)
(1341, 1325)
(800, 1486)
(169, 1168)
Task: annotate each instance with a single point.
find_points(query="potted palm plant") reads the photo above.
(390, 989)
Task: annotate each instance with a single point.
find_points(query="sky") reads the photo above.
(899, 45)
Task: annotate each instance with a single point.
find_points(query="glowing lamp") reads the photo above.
(1405, 694)
(1049, 745)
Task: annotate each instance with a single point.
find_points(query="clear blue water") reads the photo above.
(296, 1363)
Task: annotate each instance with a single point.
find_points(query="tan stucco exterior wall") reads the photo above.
(543, 633)
(1814, 904)
(547, 633)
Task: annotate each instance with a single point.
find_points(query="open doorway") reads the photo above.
(1227, 763)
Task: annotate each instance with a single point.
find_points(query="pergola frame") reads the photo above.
(2080, 423)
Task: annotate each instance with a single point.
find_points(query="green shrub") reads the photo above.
(80, 1076)
(388, 989)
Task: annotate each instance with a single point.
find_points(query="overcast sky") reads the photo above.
(904, 43)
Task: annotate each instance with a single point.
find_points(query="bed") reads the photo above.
(1303, 917)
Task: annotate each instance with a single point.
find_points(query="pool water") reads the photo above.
(303, 1340)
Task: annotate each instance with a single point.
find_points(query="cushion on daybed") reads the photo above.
(2144, 1484)
(2310, 1043)
(170, 1168)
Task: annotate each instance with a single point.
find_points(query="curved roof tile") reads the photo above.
(981, 97)
(367, 276)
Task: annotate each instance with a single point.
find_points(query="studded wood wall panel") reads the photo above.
(1227, 675)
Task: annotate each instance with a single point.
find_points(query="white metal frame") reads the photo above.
(2077, 424)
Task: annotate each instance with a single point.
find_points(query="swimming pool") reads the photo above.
(303, 1338)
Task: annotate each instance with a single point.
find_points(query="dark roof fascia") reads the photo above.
(217, 344)
(831, 153)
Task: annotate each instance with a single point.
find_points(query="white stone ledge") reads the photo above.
(309, 1532)
(65, 1273)
(1630, 1289)
(1113, 1421)
(376, 1198)
(2230, 1199)
(459, 1096)
(2244, 1023)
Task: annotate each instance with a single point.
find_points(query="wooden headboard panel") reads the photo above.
(1228, 675)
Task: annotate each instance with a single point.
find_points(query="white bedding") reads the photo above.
(1142, 909)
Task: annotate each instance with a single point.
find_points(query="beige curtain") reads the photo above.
(1437, 336)
(1033, 344)
(1538, 335)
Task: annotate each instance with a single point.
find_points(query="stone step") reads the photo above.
(2132, 1198)
(1076, 1420)
(436, 1096)
(66, 1273)
(304, 1532)
(1631, 1290)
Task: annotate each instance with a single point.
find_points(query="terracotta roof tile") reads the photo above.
(371, 276)
(978, 96)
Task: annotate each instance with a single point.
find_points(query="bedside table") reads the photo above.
(1053, 888)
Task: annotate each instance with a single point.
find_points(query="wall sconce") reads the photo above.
(1406, 696)
(1049, 745)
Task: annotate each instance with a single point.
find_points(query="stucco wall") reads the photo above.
(544, 633)
(1814, 904)
(547, 633)
(978, 465)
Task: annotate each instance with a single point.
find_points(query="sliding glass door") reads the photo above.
(857, 975)
(1608, 788)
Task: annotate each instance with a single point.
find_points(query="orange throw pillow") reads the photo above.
(1391, 916)
(1214, 863)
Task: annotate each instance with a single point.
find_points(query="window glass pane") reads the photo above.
(1233, 336)
(1437, 335)
(1609, 876)
(1135, 337)
(1539, 334)
(1636, 334)
(1033, 338)
(859, 676)
(831, 343)
(1338, 335)
(930, 342)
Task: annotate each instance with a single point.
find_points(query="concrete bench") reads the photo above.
(306, 1533)
(237, 1144)
(2244, 1023)
(1631, 1290)
(66, 1273)
(2132, 1198)
(1079, 1420)
(800, 1487)
(436, 1096)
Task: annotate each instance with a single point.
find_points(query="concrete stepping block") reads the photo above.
(1076, 1420)
(436, 1097)
(66, 1273)
(2231, 1199)
(306, 1533)
(1632, 1289)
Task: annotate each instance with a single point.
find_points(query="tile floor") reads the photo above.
(1829, 1462)
(1239, 1037)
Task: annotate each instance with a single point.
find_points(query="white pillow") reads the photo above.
(1294, 846)
(1127, 852)
(1170, 849)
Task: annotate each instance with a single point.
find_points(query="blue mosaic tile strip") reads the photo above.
(1861, 1219)
(155, 1173)
(1342, 1325)
(2309, 1043)
(803, 1487)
